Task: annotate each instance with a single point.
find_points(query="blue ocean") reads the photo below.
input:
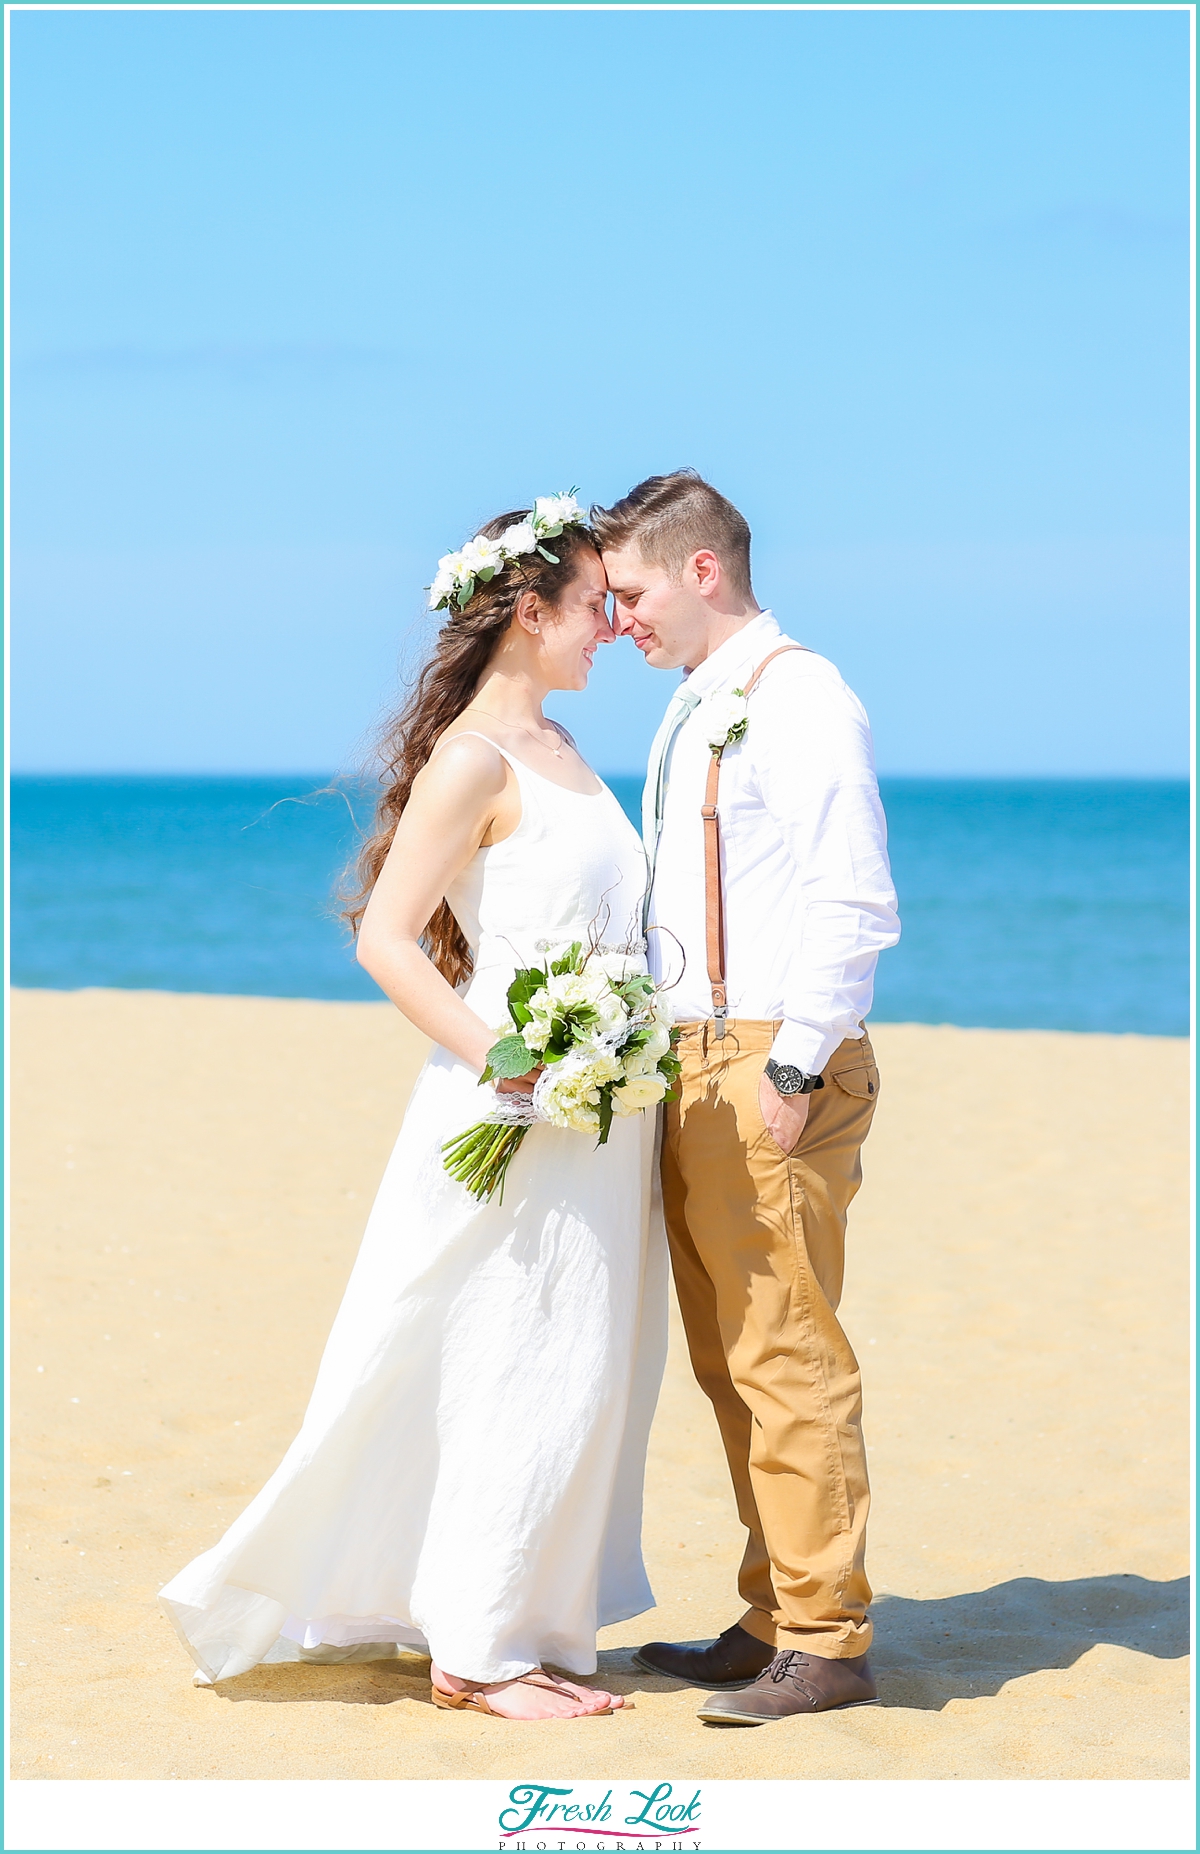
(1049, 904)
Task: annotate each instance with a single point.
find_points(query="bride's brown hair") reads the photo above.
(461, 652)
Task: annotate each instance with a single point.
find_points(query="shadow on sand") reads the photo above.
(925, 1654)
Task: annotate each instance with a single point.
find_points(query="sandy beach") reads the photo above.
(191, 1176)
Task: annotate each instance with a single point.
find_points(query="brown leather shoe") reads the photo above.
(733, 1660)
(794, 1683)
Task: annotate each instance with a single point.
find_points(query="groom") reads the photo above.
(770, 900)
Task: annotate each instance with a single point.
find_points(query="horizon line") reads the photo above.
(343, 779)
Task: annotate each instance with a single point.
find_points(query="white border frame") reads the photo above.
(451, 1813)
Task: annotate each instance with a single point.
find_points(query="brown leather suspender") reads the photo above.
(714, 887)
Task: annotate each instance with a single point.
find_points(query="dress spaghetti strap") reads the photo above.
(473, 733)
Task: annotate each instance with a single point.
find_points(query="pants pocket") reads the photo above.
(858, 1075)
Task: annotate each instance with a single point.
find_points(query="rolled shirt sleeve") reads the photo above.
(813, 764)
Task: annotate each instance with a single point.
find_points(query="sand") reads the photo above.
(191, 1178)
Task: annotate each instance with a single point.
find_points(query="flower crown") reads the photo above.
(480, 560)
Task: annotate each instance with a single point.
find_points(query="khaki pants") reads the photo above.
(757, 1245)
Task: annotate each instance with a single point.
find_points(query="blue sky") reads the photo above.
(299, 299)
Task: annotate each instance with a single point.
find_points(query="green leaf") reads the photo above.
(526, 982)
(464, 594)
(509, 1058)
(547, 555)
(605, 1111)
(569, 961)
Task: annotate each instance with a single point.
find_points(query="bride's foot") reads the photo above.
(536, 1695)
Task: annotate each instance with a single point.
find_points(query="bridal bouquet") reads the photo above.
(602, 1039)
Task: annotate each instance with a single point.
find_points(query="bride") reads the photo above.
(468, 1477)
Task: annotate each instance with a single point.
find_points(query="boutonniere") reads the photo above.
(727, 715)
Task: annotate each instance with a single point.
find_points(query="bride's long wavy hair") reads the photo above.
(461, 653)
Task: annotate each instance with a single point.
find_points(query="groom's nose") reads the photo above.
(622, 621)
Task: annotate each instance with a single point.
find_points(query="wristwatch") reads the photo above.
(788, 1080)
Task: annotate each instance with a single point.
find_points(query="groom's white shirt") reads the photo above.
(809, 902)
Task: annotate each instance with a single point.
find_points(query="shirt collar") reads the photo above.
(745, 649)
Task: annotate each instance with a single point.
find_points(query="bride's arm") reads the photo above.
(455, 800)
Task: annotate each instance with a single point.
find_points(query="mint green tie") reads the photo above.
(685, 700)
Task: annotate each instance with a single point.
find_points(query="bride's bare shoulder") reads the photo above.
(464, 763)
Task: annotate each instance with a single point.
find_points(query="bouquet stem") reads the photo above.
(480, 1157)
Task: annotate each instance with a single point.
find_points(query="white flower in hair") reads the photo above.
(726, 715)
(450, 568)
(519, 539)
(482, 558)
(552, 514)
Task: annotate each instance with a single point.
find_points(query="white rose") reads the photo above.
(658, 1042)
(609, 1006)
(638, 1092)
(519, 539)
(722, 712)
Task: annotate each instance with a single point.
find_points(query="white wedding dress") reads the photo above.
(468, 1476)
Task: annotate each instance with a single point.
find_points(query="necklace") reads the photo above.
(556, 751)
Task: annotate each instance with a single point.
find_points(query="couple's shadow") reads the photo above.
(926, 1653)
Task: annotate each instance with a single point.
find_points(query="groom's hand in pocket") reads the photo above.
(783, 1115)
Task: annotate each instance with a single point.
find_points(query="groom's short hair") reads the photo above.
(670, 518)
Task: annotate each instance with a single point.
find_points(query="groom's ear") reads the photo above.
(703, 573)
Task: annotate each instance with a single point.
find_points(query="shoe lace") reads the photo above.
(781, 1667)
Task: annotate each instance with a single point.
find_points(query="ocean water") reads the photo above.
(1051, 904)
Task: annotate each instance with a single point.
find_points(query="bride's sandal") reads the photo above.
(463, 1702)
(538, 1677)
(476, 1700)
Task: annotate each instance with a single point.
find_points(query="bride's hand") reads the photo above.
(520, 1084)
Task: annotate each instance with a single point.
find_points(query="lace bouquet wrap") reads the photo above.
(600, 1037)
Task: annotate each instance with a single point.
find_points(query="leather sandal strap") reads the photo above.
(538, 1677)
(466, 1701)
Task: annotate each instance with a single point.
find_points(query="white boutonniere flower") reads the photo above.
(726, 717)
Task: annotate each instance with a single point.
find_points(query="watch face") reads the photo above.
(788, 1080)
